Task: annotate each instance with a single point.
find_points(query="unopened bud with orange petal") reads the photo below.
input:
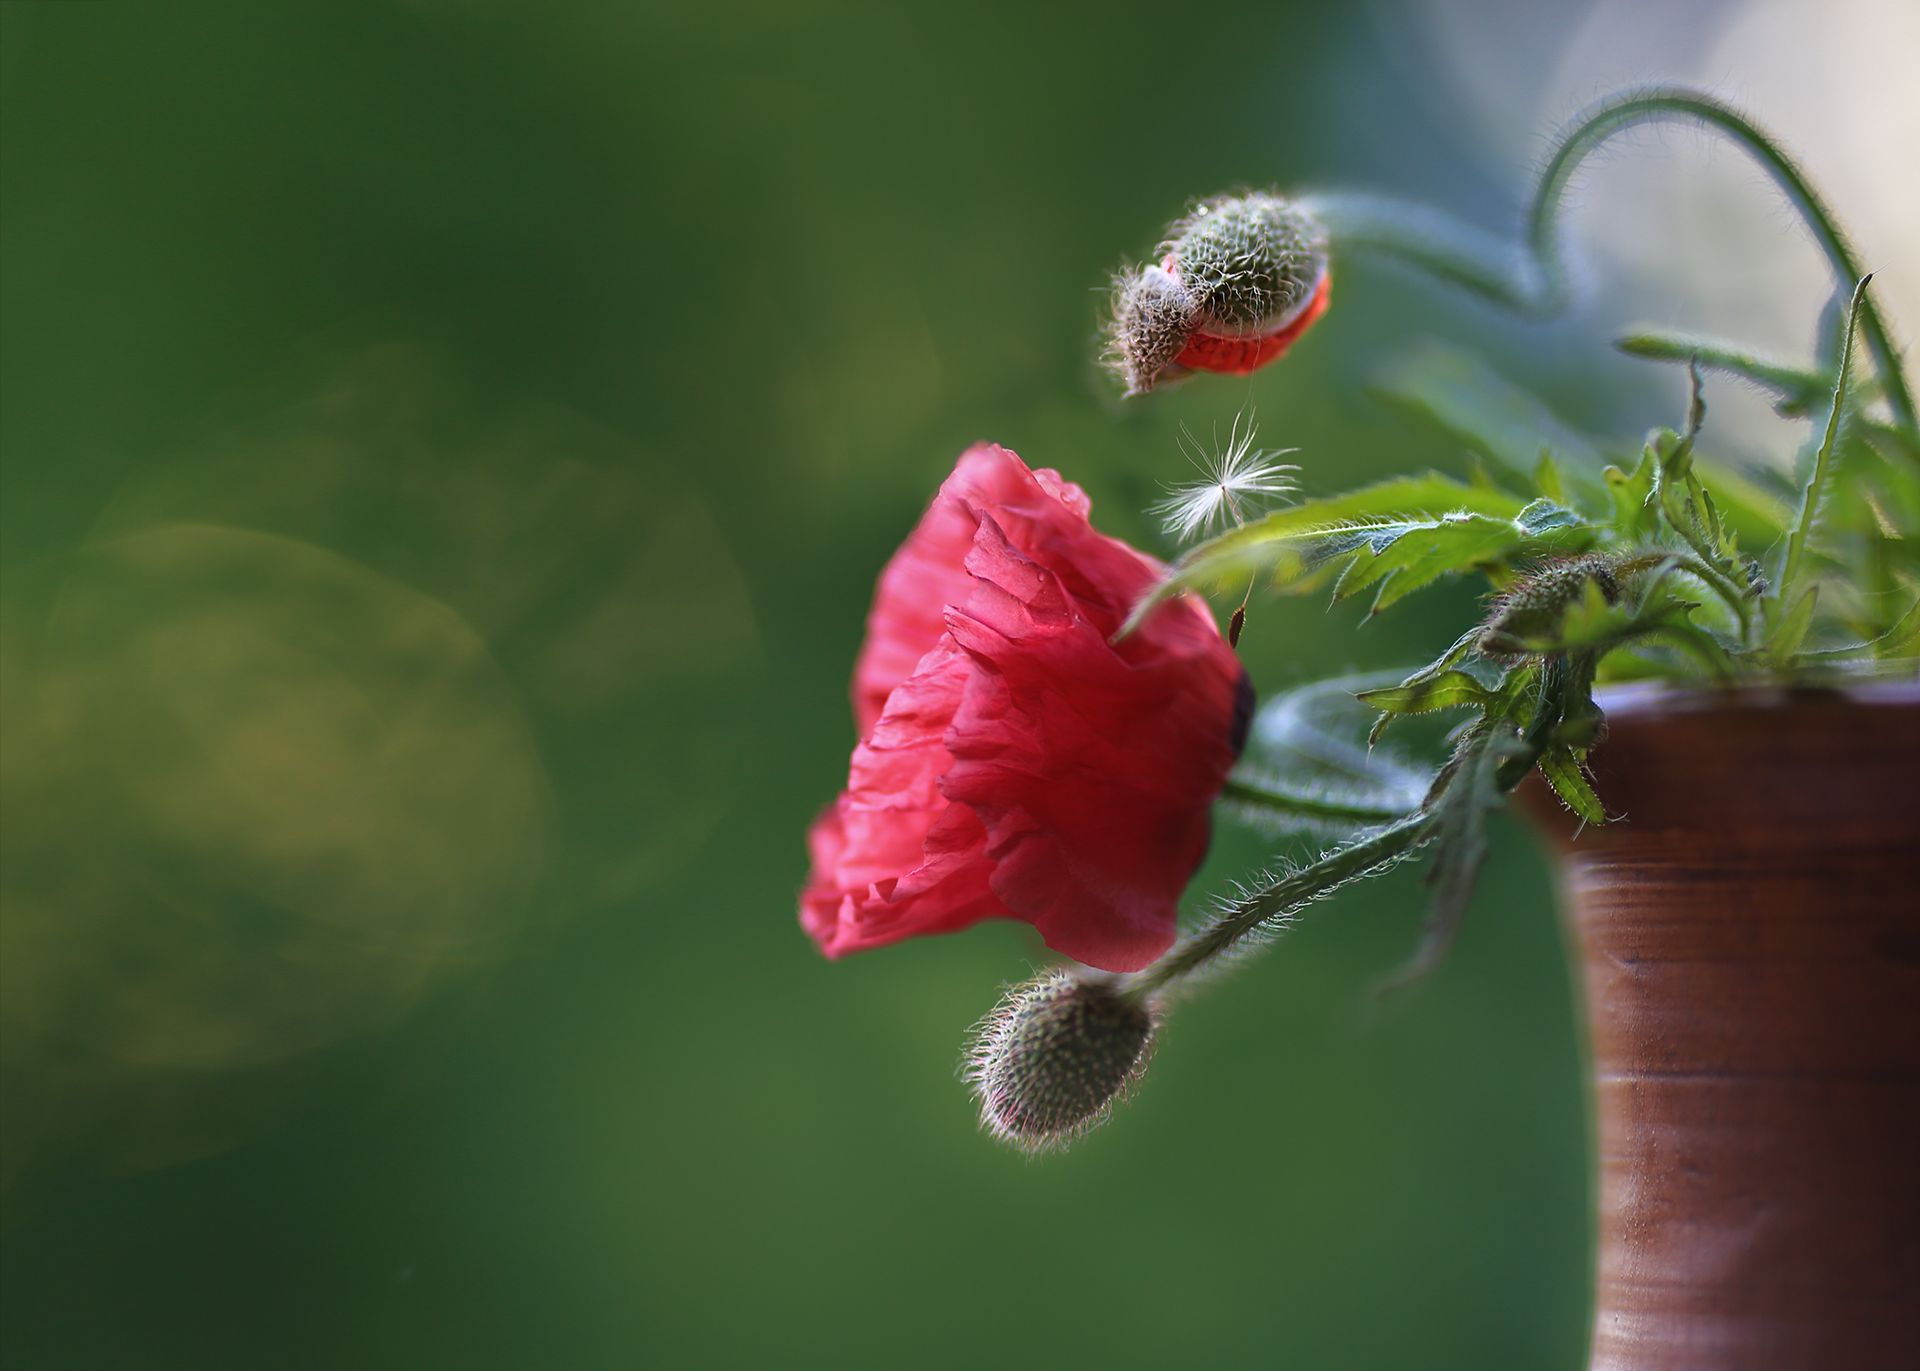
(1240, 278)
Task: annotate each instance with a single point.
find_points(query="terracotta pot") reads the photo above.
(1748, 942)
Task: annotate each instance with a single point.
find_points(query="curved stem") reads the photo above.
(1534, 281)
(1730, 594)
(1432, 240)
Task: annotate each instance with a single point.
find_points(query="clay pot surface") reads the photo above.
(1747, 937)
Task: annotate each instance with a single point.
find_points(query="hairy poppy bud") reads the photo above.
(1153, 317)
(1531, 611)
(1054, 1055)
(1240, 278)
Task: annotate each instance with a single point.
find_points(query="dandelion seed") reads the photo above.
(1239, 478)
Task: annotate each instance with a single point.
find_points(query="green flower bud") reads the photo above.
(1532, 610)
(1250, 262)
(1054, 1055)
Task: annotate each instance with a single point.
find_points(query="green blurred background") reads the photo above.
(447, 450)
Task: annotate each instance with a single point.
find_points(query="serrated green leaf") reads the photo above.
(1420, 555)
(1403, 558)
(1745, 509)
(1561, 767)
(1451, 689)
(1716, 530)
(1543, 516)
(1432, 671)
(1292, 544)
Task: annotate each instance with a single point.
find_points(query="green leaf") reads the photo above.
(1634, 519)
(1544, 516)
(1402, 558)
(1417, 682)
(1673, 456)
(1514, 694)
(1298, 545)
(1882, 435)
(1414, 556)
(1715, 529)
(1743, 507)
(1561, 766)
(1814, 493)
(1452, 689)
(1784, 643)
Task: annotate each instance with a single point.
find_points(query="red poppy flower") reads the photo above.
(1014, 762)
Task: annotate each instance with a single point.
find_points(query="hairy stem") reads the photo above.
(1261, 909)
(1533, 281)
(1720, 584)
(1282, 897)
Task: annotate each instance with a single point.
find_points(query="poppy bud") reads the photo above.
(1240, 278)
(1054, 1055)
(1153, 317)
(1532, 610)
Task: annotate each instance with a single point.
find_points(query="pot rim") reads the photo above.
(1629, 699)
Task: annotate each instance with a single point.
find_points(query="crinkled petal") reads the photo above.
(928, 573)
(892, 857)
(1015, 762)
(1093, 776)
